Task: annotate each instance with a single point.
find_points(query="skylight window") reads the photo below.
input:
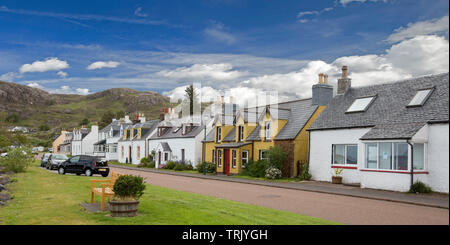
(360, 104)
(420, 97)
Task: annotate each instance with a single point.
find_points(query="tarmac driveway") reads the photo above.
(343, 209)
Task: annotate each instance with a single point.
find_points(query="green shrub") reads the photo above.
(276, 157)
(128, 187)
(210, 167)
(304, 172)
(256, 169)
(17, 160)
(420, 187)
(151, 165)
(170, 165)
(145, 160)
(179, 167)
(188, 167)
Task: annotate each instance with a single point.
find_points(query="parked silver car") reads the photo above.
(54, 160)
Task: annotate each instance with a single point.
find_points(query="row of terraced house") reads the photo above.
(383, 136)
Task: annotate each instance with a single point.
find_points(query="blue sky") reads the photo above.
(224, 44)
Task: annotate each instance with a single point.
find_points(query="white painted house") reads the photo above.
(179, 140)
(83, 140)
(385, 136)
(108, 138)
(132, 146)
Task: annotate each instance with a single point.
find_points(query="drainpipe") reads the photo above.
(204, 150)
(412, 162)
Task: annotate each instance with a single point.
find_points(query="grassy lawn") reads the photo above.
(42, 197)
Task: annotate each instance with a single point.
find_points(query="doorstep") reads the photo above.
(431, 200)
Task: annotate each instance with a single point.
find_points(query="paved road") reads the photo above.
(344, 209)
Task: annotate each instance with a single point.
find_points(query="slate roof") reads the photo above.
(231, 136)
(388, 114)
(210, 136)
(232, 145)
(169, 133)
(255, 134)
(147, 128)
(165, 146)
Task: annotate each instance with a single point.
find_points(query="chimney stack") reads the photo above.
(161, 117)
(344, 83)
(322, 92)
(223, 99)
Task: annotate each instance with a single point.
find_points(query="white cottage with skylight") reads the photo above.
(385, 136)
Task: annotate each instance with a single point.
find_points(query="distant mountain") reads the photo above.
(35, 106)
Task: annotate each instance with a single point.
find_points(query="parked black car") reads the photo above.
(83, 164)
(45, 159)
(54, 160)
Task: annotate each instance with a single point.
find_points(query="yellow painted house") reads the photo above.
(252, 131)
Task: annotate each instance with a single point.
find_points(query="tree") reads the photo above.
(276, 157)
(191, 97)
(44, 127)
(12, 118)
(120, 114)
(106, 119)
(4, 141)
(20, 139)
(84, 122)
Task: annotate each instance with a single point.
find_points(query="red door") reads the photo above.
(226, 159)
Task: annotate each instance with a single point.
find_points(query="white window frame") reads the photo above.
(233, 159)
(261, 154)
(410, 163)
(219, 158)
(244, 158)
(372, 99)
(267, 132)
(430, 90)
(240, 133)
(345, 155)
(218, 134)
(214, 156)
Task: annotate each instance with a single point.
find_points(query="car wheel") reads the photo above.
(105, 175)
(88, 172)
(61, 171)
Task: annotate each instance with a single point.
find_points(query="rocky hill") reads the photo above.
(36, 107)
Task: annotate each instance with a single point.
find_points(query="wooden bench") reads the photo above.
(106, 190)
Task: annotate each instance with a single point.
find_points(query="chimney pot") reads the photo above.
(344, 71)
(321, 78)
(325, 79)
(223, 99)
(231, 99)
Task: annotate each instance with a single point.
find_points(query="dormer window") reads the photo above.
(421, 97)
(267, 130)
(218, 134)
(241, 133)
(361, 104)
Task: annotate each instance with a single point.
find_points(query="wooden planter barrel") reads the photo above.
(123, 208)
(336, 179)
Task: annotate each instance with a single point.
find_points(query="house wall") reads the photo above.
(176, 144)
(436, 173)
(87, 144)
(123, 154)
(58, 141)
(321, 153)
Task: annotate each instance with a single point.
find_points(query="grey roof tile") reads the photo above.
(389, 107)
(231, 136)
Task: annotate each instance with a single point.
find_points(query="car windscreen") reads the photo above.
(46, 156)
(59, 157)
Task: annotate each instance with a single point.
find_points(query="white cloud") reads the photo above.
(217, 32)
(50, 64)
(10, 76)
(418, 56)
(62, 74)
(138, 12)
(82, 91)
(35, 85)
(427, 27)
(103, 64)
(203, 71)
(345, 2)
